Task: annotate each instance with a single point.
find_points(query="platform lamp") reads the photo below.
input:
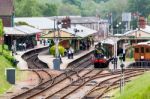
(56, 61)
(75, 32)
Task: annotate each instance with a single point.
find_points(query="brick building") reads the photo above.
(7, 12)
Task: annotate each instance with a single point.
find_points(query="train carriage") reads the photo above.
(142, 51)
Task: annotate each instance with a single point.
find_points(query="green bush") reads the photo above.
(61, 50)
(7, 54)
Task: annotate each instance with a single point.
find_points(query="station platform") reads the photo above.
(48, 59)
(126, 64)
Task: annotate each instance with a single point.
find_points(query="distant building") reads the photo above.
(7, 12)
(95, 23)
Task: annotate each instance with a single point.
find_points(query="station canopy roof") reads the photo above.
(70, 32)
(62, 35)
(132, 32)
(144, 43)
(37, 22)
(21, 30)
(82, 31)
(110, 41)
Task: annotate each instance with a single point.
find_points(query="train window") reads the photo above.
(142, 49)
(136, 50)
(147, 50)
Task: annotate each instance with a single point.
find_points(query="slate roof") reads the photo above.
(6, 7)
(78, 19)
(37, 22)
(21, 30)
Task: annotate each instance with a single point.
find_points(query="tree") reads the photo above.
(1, 33)
(73, 2)
(26, 8)
(140, 6)
(1, 28)
(50, 10)
(69, 10)
(148, 20)
(98, 1)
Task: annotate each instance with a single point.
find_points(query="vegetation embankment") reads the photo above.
(139, 88)
(5, 62)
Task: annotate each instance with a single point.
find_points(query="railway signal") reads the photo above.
(122, 74)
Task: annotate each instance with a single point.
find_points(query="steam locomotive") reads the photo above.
(100, 60)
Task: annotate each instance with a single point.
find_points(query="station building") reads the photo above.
(19, 35)
(75, 36)
(7, 12)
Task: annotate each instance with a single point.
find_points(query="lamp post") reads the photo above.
(75, 31)
(56, 61)
(56, 40)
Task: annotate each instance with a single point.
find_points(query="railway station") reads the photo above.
(72, 49)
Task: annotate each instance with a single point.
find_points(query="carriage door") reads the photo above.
(142, 54)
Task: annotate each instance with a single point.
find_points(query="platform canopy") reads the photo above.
(70, 32)
(37, 22)
(21, 30)
(62, 35)
(139, 33)
(110, 41)
(82, 31)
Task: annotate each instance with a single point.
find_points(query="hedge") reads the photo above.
(61, 50)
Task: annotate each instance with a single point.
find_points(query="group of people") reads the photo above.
(70, 53)
(22, 46)
(85, 45)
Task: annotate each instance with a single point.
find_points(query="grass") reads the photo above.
(137, 89)
(4, 63)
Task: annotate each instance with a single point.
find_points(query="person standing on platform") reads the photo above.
(60, 58)
(72, 52)
(44, 42)
(69, 53)
(24, 45)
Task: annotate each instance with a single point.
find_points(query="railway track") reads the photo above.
(78, 76)
(36, 65)
(103, 87)
(66, 76)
